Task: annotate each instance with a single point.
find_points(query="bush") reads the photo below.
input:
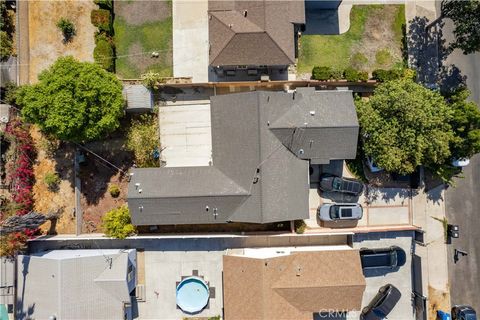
(351, 75)
(103, 52)
(143, 140)
(382, 75)
(6, 46)
(151, 79)
(104, 4)
(363, 76)
(383, 57)
(336, 74)
(52, 180)
(321, 73)
(117, 223)
(114, 190)
(300, 226)
(68, 29)
(358, 60)
(102, 19)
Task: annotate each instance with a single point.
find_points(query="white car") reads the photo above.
(461, 162)
(340, 211)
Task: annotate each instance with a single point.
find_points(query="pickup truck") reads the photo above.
(391, 257)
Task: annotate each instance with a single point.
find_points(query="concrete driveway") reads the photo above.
(185, 134)
(400, 278)
(190, 39)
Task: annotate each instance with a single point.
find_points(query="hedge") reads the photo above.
(102, 19)
(103, 52)
(351, 75)
(324, 73)
(321, 73)
(382, 75)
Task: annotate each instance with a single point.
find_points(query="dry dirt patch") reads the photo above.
(139, 12)
(45, 39)
(437, 300)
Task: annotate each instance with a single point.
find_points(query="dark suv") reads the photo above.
(382, 304)
(332, 183)
(382, 258)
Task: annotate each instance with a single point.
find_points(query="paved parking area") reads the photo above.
(190, 39)
(185, 134)
(163, 269)
(401, 278)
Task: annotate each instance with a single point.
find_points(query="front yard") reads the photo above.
(143, 27)
(374, 40)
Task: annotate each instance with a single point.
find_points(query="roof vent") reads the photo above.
(312, 113)
(245, 12)
(301, 151)
(230, 26)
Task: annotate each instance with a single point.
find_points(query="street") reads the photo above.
(463, 201)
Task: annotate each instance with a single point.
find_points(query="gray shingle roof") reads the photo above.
(253, 32)
(75, 284)
(257, 174)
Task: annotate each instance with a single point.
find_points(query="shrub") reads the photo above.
(117, 223)
(151, 79)
(6, 46)
(13, 243)
(410, 74)
(382, 75)
(358, 60)
(114, 190)
(321, 73)
(103, 52)
(351, 75)
(49, 146)
(336, 74)
(363, 76)
(52, 180)
(102, 19)
(383, 57)
(300, 226)
(68, 29)
(104, 4)
(143, 140)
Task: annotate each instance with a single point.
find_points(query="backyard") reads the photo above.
(143, 27)
(374, 40)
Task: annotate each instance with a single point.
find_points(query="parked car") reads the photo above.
(340, 211)
(372, 166)
(391, 257)
(460, 163)
(462, 312)
(382, 304)
(333, 183)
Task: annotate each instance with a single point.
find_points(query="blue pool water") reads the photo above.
(192, 294)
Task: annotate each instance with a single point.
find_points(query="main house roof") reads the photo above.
(253, 32)
(293, 286)
(261, 142)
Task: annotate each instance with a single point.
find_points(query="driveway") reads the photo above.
(400, 278)
(190, 39)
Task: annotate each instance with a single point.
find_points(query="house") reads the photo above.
(76, 284)
(253, 36)
(289, 284)
(262, 145)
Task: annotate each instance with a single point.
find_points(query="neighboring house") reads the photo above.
(77, 284)
(282, 284)
(257, 37)
(262, 145)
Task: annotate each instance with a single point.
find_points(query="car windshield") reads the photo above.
(337, 184)
(334, 212)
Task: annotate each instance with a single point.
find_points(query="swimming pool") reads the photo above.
(192, 294)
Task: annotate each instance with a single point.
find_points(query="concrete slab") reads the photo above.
(185, 135)
(190, 39)
(388, 216)
(400, 278)
(163, 269)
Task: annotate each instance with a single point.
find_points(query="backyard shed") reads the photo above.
(138, 98)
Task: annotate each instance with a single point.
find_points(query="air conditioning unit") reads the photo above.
(264, 78)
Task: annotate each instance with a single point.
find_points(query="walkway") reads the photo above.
(190, 39)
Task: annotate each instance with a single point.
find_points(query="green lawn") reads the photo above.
(154, 36)
(341, 51)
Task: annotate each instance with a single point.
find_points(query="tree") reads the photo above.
(405, 125)
(73, 101)
(466, 17)
(143, 140)
(68, 29)
(117, 223)
(466, 125)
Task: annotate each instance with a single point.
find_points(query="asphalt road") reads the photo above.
(463, 202)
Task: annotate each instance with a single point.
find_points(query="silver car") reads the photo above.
(340, 211)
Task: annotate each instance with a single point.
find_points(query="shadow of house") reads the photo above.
(96, 284)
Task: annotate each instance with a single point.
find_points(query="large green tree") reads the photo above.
(466, 125)
(404, 125)
(465, 14)
(73, 101)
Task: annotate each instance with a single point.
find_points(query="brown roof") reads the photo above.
(265, 36)
(292, 287)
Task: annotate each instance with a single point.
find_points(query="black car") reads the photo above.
(383, 303)
(332, 183)
(391, 257)
(463, 313)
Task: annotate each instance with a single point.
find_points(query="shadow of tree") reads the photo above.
(427, 50)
